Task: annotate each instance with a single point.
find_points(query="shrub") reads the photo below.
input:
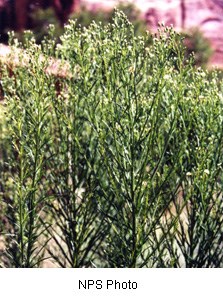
(119, 164)
(85, 17)
(197, 44)
(41, 19)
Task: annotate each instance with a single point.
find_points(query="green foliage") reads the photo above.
(119, 164)
(197, 44)
(85, 17)
(41, 19)
(194, 40)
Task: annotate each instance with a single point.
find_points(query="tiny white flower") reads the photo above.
(188, 174)
(166, 77)
(131, 69)
(206, 171)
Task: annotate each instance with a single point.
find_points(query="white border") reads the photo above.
(153, 285)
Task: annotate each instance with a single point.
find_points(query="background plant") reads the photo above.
(197, 44)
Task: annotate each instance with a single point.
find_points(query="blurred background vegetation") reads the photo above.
(40, 19)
